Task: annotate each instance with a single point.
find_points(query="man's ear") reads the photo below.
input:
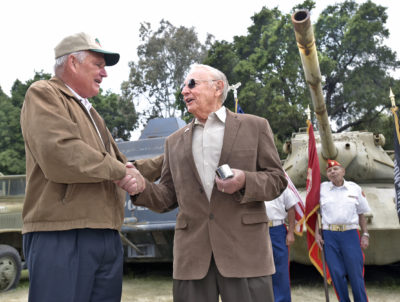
(219, 87)
(72, 62)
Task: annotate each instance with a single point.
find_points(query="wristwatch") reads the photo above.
(365, 234)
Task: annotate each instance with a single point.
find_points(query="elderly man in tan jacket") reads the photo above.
(73, 209)
(221, 245)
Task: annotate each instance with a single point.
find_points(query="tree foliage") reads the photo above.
(354, 63)
(267, 64)
(118, 113)
(164, 57)
(12, 150)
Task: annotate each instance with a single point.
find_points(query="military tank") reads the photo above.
(12, 192)
(360, 152)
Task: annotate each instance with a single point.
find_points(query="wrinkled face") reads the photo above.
(336, 175)
(89, 74)
(204, 97)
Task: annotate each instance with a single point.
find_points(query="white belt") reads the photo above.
(274, 223)
(339, 227)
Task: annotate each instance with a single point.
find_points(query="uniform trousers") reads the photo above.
(344, 257)
(208, 289)
(79, 265)
(281, 279)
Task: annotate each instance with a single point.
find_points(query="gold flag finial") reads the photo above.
(308, 111)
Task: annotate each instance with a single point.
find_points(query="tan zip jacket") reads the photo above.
(68, 170)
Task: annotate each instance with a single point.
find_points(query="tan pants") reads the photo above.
(208, 289)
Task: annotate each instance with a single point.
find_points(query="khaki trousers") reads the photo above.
(213, 285)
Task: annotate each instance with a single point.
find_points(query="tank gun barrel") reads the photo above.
(308, 53)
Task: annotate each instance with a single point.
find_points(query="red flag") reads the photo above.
(298, 207)
(312, 202)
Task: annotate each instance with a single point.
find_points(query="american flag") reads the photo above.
(396, 159)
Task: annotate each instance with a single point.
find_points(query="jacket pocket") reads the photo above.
(181, 224)
(68, 193)
(253, 218)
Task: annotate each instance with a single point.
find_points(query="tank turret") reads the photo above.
(360, 152)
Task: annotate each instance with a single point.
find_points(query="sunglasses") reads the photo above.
(192, 83)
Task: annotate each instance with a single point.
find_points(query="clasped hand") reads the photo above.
(133, 182)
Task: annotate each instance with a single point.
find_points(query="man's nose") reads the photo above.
(185, 90)
(103, 72)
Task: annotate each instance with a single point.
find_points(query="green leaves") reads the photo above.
(12, 151)
(118, 113)
(164, 57)
(354, 65)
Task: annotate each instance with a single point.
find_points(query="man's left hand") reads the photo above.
(289, 238)
(233, 184)
(364, 242)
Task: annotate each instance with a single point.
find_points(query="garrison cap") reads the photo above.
(331, 163)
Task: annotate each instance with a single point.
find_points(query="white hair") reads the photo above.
(217, 75)
(59, 64)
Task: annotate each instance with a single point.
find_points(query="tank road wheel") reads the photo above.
(10, 267)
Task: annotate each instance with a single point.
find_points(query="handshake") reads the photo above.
(133, 182)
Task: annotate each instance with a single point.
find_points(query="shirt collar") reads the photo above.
(344, 186)
(84, 101)
(220, 114)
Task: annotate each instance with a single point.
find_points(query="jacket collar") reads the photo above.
(60, 85)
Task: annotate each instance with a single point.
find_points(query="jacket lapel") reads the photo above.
(232, 124)
(188, 154)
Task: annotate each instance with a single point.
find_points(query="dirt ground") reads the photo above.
(154, 284)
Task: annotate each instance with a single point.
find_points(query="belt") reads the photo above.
(274, 223)
(339, 227)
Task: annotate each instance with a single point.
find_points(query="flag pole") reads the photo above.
(323, 257)
(234, 89)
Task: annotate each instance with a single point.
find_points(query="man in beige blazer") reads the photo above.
(221, 245)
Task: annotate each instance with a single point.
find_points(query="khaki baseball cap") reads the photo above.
(83, 41)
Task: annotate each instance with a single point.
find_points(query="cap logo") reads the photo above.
(331, 163)
(97, 42)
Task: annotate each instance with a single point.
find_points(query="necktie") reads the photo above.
(101, 127)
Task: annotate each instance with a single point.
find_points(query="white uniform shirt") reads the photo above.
(277, 208)
(342, 205)
(206, 147)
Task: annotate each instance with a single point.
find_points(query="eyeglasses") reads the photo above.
(192, 83)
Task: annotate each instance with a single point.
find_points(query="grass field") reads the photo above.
(153, 283)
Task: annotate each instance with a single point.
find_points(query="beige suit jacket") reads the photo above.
(232, 227)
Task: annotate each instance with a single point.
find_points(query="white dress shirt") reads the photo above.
(206, 147)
